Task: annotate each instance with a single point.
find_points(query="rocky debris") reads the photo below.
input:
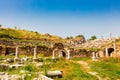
(24, 59)
(23, 71)
(2, 73)
(39, 64)
(6, 76)
(42, 77)
(9, 60)
(16, 66)
(97, 43)
(58, 46)
(4, 67)
(22, 77)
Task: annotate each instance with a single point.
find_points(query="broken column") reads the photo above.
(35, 54)
(97, 55)
(53, 55)
(68, 54)
(53, 74)
(114, 45)
(106, 52)
(60, 54)
(93, 56)
(17, 54)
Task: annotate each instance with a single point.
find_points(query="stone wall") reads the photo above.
(83, 53)
(27, 50)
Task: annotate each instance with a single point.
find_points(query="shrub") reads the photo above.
(31, 68)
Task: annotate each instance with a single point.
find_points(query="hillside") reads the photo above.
(11, 35)
(18, 34)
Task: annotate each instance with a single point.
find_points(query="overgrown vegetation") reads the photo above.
(71, 70)
(107, 68)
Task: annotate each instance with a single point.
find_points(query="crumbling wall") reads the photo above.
(25, 50)
(2, 50)
(83, 53)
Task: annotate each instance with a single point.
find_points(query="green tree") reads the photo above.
(93, 37)
(69, 37)
(80, 36)
(0, 25)
(15, 27)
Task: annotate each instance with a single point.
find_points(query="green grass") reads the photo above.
(20, 35)
(30, 71)
(71, 70)
(109, 67)
(77, 74)
(81, 58)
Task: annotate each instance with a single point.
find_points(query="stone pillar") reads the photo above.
(93, 56)
(111, 55)
(106, 52)
(68, 54)
(114, 45)
(35, 53)
(17, 54)
(60, 54)
(53, 55)
(97, 55)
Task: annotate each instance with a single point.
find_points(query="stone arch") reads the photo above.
(6, 51)
(62, 51)
(65, 53)
(9, 50)
(110, 50)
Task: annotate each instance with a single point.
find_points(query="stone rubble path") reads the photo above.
(88, 70)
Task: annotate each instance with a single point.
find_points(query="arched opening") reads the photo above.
(63, 54)
(110, 50)
(6, 51)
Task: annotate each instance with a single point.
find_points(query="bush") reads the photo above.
(31, 68)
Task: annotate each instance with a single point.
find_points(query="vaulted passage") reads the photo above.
(63, 54)
(110, 50)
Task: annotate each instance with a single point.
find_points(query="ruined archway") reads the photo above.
(61, 51)
(63, 54)
(110, 50)
(10, 50)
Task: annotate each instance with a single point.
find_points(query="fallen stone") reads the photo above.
(39, 64)
(53, 74)
(16, 66)
(4, 67)
(2, 73)
(9, 60)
